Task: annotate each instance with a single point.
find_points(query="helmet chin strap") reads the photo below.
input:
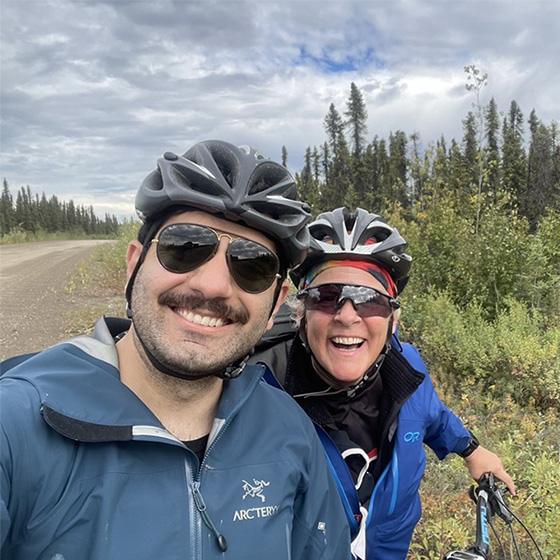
(230, 372)
(330, 379)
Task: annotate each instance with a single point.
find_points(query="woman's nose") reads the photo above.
(347, 313)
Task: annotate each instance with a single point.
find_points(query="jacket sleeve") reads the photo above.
(320, 528)
(11, 460)
(445, 432)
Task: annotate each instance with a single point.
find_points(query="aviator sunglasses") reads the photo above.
(181, 248)
(329, 298)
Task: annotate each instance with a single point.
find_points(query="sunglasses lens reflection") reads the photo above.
(329, 298)
(183, 247)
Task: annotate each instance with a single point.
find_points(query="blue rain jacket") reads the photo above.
(87, 471)
(417, 417)
(394, 508)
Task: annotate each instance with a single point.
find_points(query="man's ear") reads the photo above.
(284, 291)
(132, 255)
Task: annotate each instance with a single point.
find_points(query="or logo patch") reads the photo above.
(410, 437)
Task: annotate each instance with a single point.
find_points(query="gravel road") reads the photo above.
(33, 299)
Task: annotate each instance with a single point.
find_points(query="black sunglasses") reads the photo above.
(181, 248)
(329, 298)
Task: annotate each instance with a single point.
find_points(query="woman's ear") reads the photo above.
(396, 317)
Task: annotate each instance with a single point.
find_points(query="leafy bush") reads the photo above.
(21, 235)
(502, 260)
(527, 442)
(516, 354)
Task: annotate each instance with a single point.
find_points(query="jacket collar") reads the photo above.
(83, 398)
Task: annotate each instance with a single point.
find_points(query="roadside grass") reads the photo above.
(100, 281)
(526, 437)
(19, 235)
(527, 440)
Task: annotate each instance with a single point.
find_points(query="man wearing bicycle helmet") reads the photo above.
(152, 438)
(371, 394)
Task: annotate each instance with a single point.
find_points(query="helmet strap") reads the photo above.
(229, 372)
(128, 289)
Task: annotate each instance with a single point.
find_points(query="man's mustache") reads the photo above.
(194, 303)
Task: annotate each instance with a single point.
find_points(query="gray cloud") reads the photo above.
(94, 91)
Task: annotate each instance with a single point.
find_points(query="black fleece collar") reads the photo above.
(398, 378)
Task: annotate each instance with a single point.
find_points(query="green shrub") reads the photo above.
(527, 442)
(105, 270)
(20, 235)
(515, 354)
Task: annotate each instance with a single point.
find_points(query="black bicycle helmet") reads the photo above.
(358, 235)
(238, 183)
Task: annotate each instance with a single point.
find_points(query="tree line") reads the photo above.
(491, 162)
(31, 213)
(482, 215)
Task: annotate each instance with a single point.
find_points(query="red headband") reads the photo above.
(378, 272)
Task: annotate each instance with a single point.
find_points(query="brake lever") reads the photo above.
(495, 496)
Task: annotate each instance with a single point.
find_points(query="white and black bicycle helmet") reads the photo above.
(238, 183)
(359, 235)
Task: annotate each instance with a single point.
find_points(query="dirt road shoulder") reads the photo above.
(34, 298)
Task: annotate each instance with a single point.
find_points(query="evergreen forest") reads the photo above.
(32, 216)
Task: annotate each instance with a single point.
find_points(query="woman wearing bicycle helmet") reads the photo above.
(371, 394)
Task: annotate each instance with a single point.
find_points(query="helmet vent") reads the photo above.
(226, 162)
(267, 176)
(193, 181)
(153, 181)
(324, 234)
(374, 235)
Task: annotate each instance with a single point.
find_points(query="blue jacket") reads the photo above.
(87, 471)
(395, 509)
(415, 416)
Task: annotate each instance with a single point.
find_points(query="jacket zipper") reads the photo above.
(201, 506)
(198, 499)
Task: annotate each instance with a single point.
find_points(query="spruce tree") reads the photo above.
(356, 118)
(492, 122)
(7, 211)
(398, 167)
(470, 148)
(539, 192)
(514, 158)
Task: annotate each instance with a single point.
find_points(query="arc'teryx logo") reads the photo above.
(256, 490)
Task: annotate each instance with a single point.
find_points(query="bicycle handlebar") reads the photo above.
(489, 501)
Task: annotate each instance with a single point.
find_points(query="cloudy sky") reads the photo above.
(94, 91)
